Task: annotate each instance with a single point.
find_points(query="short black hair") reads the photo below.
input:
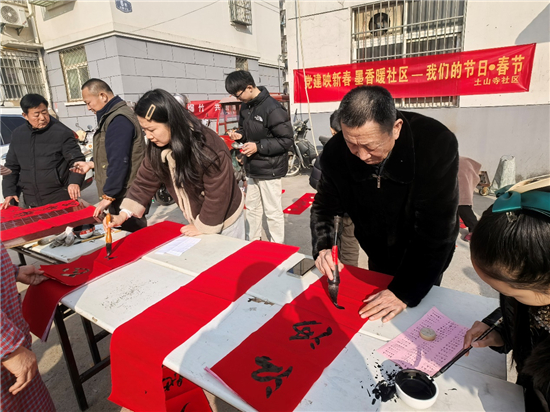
(368, 103)
(32, 100)
(97, 86)
(237, 81)
(335, 121)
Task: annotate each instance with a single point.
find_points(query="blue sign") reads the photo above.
(124, 6)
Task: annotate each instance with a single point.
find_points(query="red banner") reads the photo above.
(490, 71)
(205, 109)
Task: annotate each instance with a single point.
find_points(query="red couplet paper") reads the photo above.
(276, 366)
(16, 213)
(41, 300)
(28, 221)
(300, 205)
(182, 394)
(139, 346)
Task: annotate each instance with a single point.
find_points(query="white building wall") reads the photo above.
(487, 126)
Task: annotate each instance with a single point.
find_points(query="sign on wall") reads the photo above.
(489, 71)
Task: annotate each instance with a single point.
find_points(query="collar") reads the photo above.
(107, 108)
(399, 166)
(264, 94)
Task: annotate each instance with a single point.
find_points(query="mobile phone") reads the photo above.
(301, 268)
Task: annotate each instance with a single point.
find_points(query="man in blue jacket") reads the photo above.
(119, 148)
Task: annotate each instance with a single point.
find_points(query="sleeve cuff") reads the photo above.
(206, 229)
(137, 209)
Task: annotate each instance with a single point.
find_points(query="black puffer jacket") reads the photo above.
(408, 223)
(40, 160)
(265, 122)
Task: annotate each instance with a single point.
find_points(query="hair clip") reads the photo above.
(150, 112)
(512, 217)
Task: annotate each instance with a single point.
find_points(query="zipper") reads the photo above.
(378, 175)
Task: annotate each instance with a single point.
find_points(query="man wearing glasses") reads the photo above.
(40, 157)
(265, 130)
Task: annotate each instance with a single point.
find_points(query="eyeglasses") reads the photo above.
(239, 95)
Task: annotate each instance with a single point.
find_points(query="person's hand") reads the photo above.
(190, 230)
(82, 167)
(249, 149)
(233, 135)
(477, 329)
(101, 206)
(74, 191)
(325, 264)
(116, 220)
(383, 305)
(4, 170)
(23, 365)
(30, 275)
(7, 201)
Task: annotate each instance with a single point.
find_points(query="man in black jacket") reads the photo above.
(395, 174)
(40, 157)
(119, 148)
(265, 130)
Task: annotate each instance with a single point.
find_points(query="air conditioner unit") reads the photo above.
(383, 21)
(13, 16)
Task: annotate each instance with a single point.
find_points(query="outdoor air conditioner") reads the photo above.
(13, 16)
(384, 20)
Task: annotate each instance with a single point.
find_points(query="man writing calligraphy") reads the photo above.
(395, 174)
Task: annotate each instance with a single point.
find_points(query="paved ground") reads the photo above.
(459, 276)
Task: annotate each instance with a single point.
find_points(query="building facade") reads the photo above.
(487, 126)
(135, 46)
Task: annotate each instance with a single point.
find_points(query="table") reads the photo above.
(112, 300)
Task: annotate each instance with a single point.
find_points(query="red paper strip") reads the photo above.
(182, 394)
(275, 367)
(300, 205)
(40, 222)
(139, 347)
(489, 71)
(15, 212)
(41, 301)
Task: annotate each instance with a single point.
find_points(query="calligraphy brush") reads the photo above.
(465, 351)
(334, 284)
(108, 237)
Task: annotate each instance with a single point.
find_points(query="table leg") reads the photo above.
(90, 337)
(22, 261)
(69, 358)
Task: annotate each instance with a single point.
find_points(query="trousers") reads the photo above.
(264, 197)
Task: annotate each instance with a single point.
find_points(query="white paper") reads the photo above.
(178, 246)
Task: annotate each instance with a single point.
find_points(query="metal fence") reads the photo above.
(408, 28)
(75, 71)
(20, 74)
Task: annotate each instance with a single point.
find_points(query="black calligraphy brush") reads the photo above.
(334, 284)
(465, 351)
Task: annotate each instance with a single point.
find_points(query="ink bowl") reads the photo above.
(416, 388)
(84, 231)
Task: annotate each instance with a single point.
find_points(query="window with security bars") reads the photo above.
(241, 12)
(408, 28)
(241, 63)
(75, 71)
(20, 74)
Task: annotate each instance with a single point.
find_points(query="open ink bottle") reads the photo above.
(416, 388)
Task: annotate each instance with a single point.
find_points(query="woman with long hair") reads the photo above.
(194, 164)
(510, 249)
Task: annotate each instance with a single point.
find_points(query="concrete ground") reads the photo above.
(459, 276)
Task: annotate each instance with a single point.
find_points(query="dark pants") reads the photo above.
(134, 223)
(468, 216)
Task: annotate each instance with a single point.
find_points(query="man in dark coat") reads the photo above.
(265, 130)
(119, 149)
(40, 157)
(395, 174)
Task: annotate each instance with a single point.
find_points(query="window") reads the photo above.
(408, 28)
(20, 74)
(241, 63)
(241, 12)
(75, 71)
